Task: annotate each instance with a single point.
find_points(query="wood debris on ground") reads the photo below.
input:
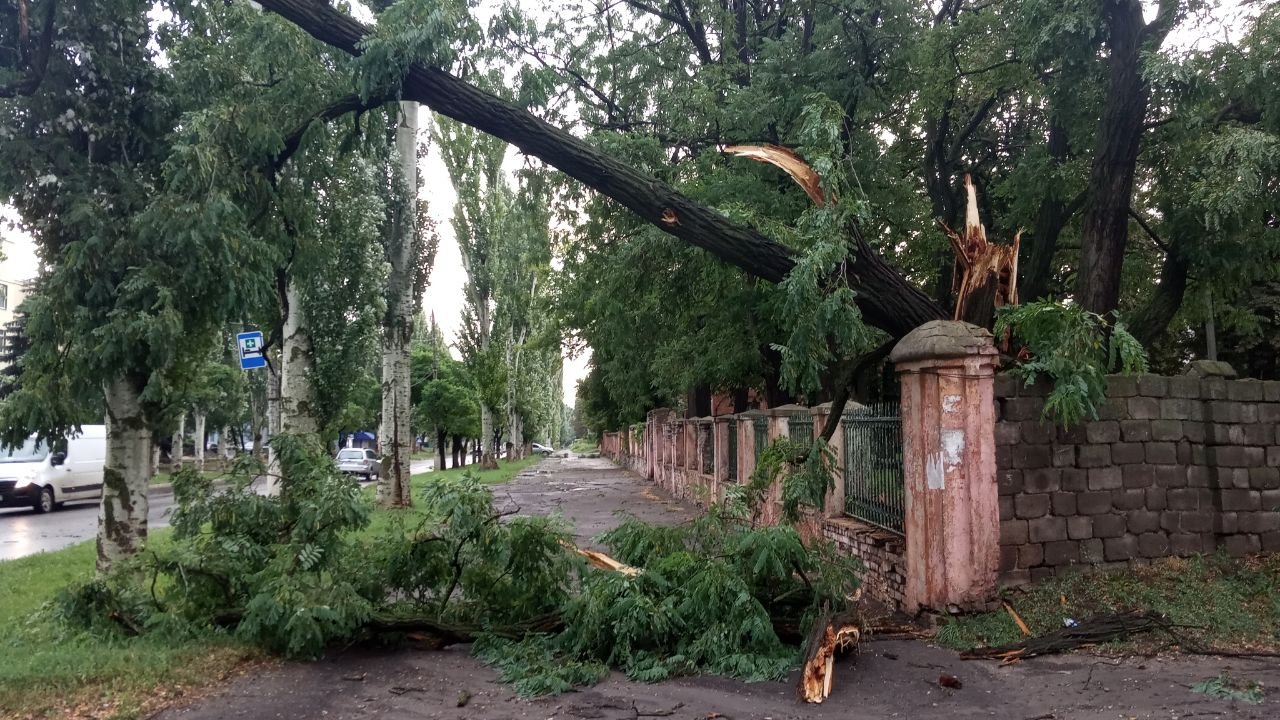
(602, 561)
(831, 634)
(1088, 632)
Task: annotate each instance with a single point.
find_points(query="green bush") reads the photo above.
(297, 572)
(1075, 349)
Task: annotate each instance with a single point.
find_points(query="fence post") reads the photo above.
(947, 372)
(833, 505)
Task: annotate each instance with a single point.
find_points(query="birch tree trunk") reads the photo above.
(199, 440)
(122, 515)
(487, 460)
(273, 409)
(394, 439)
(179, 441)
(297, 394)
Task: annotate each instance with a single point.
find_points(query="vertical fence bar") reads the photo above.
(874, 490)
(708, 448)
(760, 426)
(732, 454)
(800, 429)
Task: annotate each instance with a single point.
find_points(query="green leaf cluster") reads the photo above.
(1073, 348)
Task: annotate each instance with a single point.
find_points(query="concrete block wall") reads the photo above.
(1172, 466)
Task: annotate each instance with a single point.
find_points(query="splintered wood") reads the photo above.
(986, 275)
(790, 163)
(602, 561)
(831, 634)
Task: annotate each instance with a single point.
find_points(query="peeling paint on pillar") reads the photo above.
(948, 429)
(952, 447)
(936, 480)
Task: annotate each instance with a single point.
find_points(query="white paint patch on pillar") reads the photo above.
(950, 404)
(952, 448)
(934, 477)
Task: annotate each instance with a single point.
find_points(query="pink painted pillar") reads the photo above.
(947, 372)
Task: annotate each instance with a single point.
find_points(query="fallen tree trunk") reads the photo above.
(887, 300)
(832, 633)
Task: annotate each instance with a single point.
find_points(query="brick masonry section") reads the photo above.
(883, 577)
(1172, 466)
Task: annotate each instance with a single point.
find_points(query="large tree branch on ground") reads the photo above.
(886, 299)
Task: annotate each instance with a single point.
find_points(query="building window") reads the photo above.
(4, 296)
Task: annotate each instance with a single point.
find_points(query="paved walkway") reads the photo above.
(892, 679)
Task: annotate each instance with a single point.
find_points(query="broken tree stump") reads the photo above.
(831, 633)
(986, 276)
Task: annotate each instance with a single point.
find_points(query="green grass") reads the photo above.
(582, 445)
(1234, 604)
(49, 671)
(506, 470)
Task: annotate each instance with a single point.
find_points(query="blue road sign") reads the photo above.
(251, 356)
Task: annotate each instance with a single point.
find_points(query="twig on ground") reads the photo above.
(655, 713)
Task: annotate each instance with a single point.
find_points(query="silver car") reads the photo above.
(354, 461)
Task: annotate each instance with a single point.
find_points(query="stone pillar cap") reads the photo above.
(1210, 369)
(942, 339)
(790, 409)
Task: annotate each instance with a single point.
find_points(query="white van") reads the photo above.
(36, 475)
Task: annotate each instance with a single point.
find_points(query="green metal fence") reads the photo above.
(800, 429)
(707, 440)
(760, 426)
(873, 484)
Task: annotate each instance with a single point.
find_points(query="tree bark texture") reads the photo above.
(297, 394)
(273, 408)
(442, 438)
(126, 476)
(394, 437)
(1105, 229)
(887, 300)
(488, 456)
(179, 441)
(1051, 217)
(1150, 322)
(199, 440)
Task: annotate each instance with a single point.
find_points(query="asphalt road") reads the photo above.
(23, 532)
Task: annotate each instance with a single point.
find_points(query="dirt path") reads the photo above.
(890, 679)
